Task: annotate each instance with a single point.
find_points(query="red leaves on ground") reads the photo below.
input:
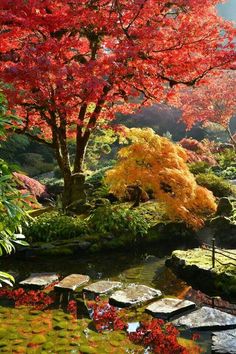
(161, 338)
(72, 308)
(106, 317)
(37, 299)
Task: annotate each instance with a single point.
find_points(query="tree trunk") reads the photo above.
(74, 192)
(231, 137)
(74, 195)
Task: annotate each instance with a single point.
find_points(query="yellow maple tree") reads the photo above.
(155, 163)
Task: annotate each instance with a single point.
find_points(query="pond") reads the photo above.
(26, 330)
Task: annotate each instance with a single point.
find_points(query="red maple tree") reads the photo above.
(69, 66)
(212, 101)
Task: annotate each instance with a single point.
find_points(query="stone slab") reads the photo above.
(102, 287)
(39, 280)
(207, 318)
(72, 282)
(134, 295)
(224, 342)
(169, 307)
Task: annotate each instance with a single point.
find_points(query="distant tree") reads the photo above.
(198, 151)
(69, 64)
(155, 163)
(214, 101)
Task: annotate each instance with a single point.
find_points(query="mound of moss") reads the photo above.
(195, 266)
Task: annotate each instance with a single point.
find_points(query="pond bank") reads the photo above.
(195, 267)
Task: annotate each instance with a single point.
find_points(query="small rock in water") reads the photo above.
(224, 342)
(72, 282)
(207, 318)
(134, 294)
(39, 280)
(102, 287)
(168, 307)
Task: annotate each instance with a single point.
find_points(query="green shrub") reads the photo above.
(118, 219)
(199, 167)
(226, 158)
(57, 172)
(55, 226)
(96, 179)
(229, 173)
(233, 215)
(218, 186)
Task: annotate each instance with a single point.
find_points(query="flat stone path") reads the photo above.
(169, 307)
(72, 282)
(207, 318)
(39, 280)
(102, 287)
(133, 295)
(224, 342)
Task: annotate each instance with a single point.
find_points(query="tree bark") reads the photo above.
(231, 137)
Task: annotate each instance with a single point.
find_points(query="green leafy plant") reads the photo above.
(229, 173)
(118, 219)
(226, 158)
(233, 214)
(12, 215)
(52, 226)
(96, 178)
(199, 167)
(218, 186)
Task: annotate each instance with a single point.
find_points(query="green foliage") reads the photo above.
(226, 158)
(30, 156)
(11, 216)
(218, 186)
(118, 219)
(199, 167)
(99, 145)
(57, 172)
(11, 203)
(233, 215)
(34, 164)
(229, 173)
(55, 226)
(96, 178)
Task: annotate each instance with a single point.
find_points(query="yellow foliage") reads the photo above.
(157, 164)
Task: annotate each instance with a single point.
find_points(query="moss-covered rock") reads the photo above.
(195, 266)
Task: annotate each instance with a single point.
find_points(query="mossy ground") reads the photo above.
(203, 259)
(195, 266)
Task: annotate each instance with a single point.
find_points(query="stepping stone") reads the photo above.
(134, 294)
(224, 342)
(39, 280)
(102, 287)
(207, 318)
(72, 282)
(169, 307)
